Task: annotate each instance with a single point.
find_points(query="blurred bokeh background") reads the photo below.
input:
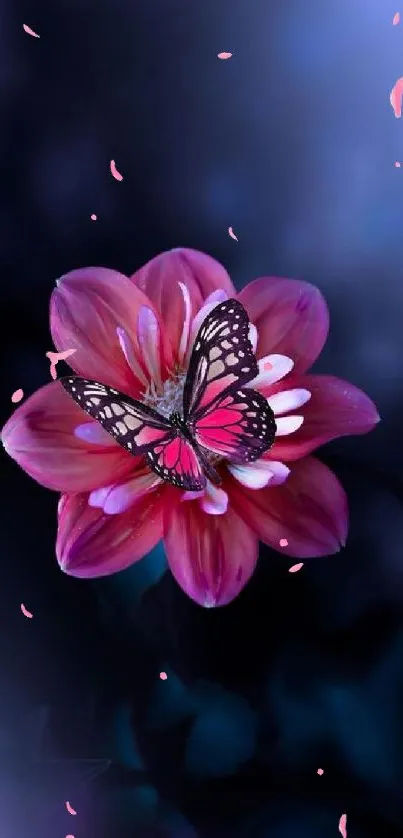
(292, 142)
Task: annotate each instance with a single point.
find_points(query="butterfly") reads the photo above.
(221, 418)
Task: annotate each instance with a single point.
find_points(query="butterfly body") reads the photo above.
(221, 418)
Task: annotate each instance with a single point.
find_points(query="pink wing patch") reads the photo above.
(240, 426)
(177, 462)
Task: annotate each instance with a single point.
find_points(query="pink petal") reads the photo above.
(40, 436)
(160, 278)
(214, 500)
(296, 567)
(260, 474)
(288, 400)
(212, 557)
(149, 338)
(291, 318)
(90, 543)
(94, 433)
(119, 497)
(272, 368)
(211, 302)
(288, 424)
(336, 408)
(87, 307)
(309, 511)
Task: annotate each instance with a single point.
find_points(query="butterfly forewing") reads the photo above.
(222, 357)
(240, 426)
(140, 430)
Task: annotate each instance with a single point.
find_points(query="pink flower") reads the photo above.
(128, 333)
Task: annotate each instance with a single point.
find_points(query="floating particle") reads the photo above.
(17, 396)
(163, 676)
(114, 172)
(69, 836)
(70, 809)
(54, 357)
(232, 234)
(25, 612)
(396, 98)
(343, 826)
(224, 55)
(320, 771)
(283, 541)
(94, 217)
(396, 19)
(295, 567)
(397, 164)
(30, 31)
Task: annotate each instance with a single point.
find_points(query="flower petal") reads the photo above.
(291, 318)
(288, 400)
(119, 497)
(336, 408)
(214, 500)
(272, 368)
(40, 436)
(288, 425)
(309, 511)
(94, 432)
(87, 307)
(159, 279)
(90, 543)
(260, 474)
(211, 557)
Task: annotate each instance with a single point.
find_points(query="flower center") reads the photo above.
(168, 398)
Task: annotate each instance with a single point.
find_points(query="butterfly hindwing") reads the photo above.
(239, 426)
(222, 357)
(140, 430)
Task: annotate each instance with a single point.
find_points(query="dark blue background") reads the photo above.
(293, 143)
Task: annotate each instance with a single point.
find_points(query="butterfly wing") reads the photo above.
(239, 426)
(140, 430)
(222, 357)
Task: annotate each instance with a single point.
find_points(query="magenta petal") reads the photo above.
(40, 436)
(309, 511)
(159, 279)
(336, 408)
(87, 308)
(291, 318)
(90, 543)
(211, 557)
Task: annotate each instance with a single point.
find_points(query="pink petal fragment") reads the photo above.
(25, 611)
(91, 544)
(295, 567)
(121, 497)
(94, 217)
(396, 19)
(343, 826)
(114, 171)
(30, 31)
(70, 809)
(163, 676)
(283, 542)
(159, 279)
(232, 234)
(54, 357)
(17, 396)
(396, 98)
(320, 771)
(291, 318)
(309, 510)
(149, 341)
(214, 501)
(69, 836)
(212, 557)
(184, 341)
(397, 164)
(224, 55)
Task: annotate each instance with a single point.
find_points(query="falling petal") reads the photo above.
(283, 542)
(163, 676)
(94, 217)
(397, 164)
(114, 171)
(396, 98)
(54, 357)
(295, 567)
(396, 19)
(25, 611)
(70, 809)
(232, 234)
(30, 31)
(343, 826)
(320, 771)
(17, 396)
(224, 55)
(69, 836)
